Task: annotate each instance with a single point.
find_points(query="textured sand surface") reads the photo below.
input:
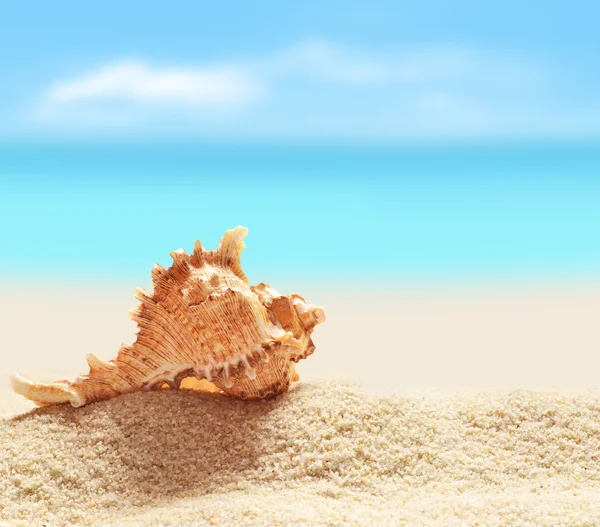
(324, 454)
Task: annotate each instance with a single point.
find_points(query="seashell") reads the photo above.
(201, 320)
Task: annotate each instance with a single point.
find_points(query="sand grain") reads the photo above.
(324, 454)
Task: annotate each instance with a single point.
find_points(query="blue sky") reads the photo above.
(174, 75)
(376, 71)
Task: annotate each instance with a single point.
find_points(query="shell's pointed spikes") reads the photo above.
(159, 274)
(289, 340)
(232, 243)
(135, 314)
(20, 385)
(96, 363)
(41, 394)
(141, 294)
(250, 371)
(227, 381)
(197, 254)
(310, 315)
(178, 255)
(230, 250)
(180, 269)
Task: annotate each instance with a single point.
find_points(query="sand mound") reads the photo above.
(324, 454)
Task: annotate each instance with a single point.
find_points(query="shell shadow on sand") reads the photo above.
(146, 447)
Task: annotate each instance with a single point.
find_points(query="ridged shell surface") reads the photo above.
(201, 320)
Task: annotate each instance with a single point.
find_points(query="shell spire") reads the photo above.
(201, 320)
(228, 254)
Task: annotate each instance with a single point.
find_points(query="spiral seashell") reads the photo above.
(201, 320)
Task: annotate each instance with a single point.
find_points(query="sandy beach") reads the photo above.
(477, 406)
(323, 454)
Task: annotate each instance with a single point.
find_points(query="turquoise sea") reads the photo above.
(356, 214)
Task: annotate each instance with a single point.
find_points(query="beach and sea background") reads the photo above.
(428, 173)
(461, 287)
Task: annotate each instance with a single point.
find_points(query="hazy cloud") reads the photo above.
(323, 61)
(318, 88)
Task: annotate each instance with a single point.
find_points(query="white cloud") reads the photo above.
(136, 81)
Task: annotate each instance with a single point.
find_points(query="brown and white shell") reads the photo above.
(201, 320)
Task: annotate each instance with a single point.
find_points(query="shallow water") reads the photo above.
(339, 213)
